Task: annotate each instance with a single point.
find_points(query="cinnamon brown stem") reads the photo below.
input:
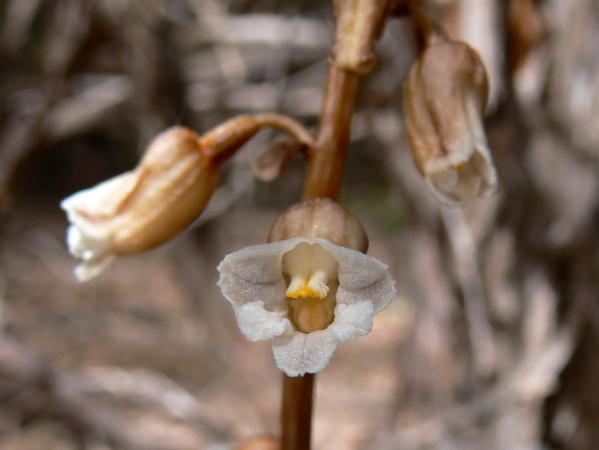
(327, 158)
(325, 173)
(221, 143)
(296, 412)
(359, 23)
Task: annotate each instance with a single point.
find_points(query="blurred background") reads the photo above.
(492, 341)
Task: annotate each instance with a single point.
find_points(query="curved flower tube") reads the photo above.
(141, 209)
(144, 208)
(259, 280)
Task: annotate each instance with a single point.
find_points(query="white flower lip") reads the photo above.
(87, 241)
(252, 280)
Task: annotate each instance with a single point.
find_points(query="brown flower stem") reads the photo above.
(287, 124)
(327, 158)
(359, 24)
(296, 412)
(326, 161)
(221, 142)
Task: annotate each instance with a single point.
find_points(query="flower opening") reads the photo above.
(305, 330)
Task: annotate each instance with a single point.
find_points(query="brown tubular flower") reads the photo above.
(445, 95)
(141, 209)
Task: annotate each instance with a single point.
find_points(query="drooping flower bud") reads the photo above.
(141, 209)
(445, 95)
(309, 289)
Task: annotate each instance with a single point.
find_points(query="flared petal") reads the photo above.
(302, 353)
(254, 273)
(259, 324)
(361, 278)
(101, 201)
(352, 321)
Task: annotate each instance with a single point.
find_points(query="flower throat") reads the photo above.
(311, 272)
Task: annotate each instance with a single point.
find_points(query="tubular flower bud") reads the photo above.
(306, 293)
(141, 209)
(445, 95)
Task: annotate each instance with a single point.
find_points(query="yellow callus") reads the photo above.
(313, 287)
(312, 274)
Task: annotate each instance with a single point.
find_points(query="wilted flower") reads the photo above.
(445, 95)
(306, 293)
(141, 209)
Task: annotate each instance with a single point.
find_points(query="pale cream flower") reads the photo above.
(328, 291)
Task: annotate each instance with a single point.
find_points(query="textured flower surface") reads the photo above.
(328, 291)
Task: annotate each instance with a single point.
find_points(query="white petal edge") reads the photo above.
(352, 321)
(89, 241)
(254, 273)
(91, 269)
(481, 163)
(302, 353)
(259, 324)
(91, 250)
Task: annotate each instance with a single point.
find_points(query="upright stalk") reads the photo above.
(359, 23)
(296, 412)
(325, 173)
(327, 158)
